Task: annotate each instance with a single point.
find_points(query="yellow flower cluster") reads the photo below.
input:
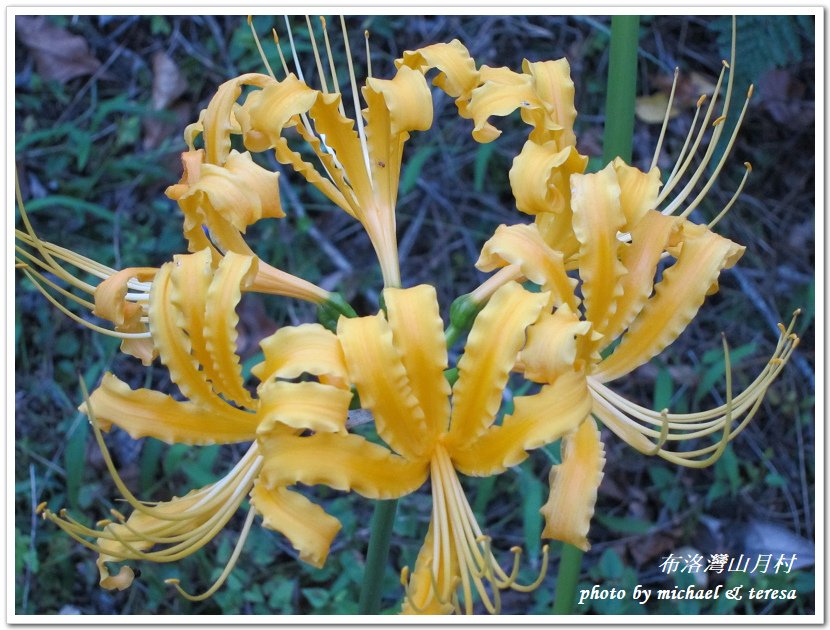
(596, 245)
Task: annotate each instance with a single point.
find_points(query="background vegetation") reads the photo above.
(100, 103)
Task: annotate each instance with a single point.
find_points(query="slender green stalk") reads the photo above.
(567, 580)
(619, 131)
(622, 85)
(383, 521)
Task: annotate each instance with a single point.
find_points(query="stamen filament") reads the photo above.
(665, 121)
(243, 536)
(317, 61)
(259, 47)
(358, 115)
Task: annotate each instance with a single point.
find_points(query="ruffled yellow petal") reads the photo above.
(191, 278)
(307, 526)
(557, 231)
(457, 75)
(552, 347)
(307, 348)
(555, 89)
(343, 462)
(394, 108)
(540, 176)
(218, 123)
(485, 366)
(649, 239)
(638, 191)
(314, 406)
(418, 333)
(173, 344)
(677, 298)
(111, 304)
(500, 95)
(376, 368)
(573, 487)
(227, 199)
(148, 413)
(233, 274)
(522, 245)
(597, 218)
(264, 115)
(537, 420)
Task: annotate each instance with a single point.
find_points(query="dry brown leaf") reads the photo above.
(168, 82)
(168, 86)
(58, 54)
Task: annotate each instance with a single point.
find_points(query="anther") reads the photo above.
(40, 507)
(173, 581)
(702, 100)
(725, 63)
(719, 120)
(750, 91)
(118, 515)
(104, 522)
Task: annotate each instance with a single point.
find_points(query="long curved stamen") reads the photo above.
(24, 266)
(779, 357)
(665, 121)
(259, 48)
(682, 155)
(464, 550)
(318, 63)
(664, 433)
(734, 197)
(702, 194)
(704, 125)
(228, 567)
(623, 413)
(358, 116)
(332, 67)
(279, 51)
(368, 55)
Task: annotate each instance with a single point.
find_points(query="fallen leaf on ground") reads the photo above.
(58, 54)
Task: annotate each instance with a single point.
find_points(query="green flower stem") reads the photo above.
(567, 580)
(619, 131)
(622, 86)
(383, 520)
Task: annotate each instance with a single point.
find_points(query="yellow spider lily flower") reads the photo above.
(621, 298)
(193, 322)
(397, 361)
(119, 297)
